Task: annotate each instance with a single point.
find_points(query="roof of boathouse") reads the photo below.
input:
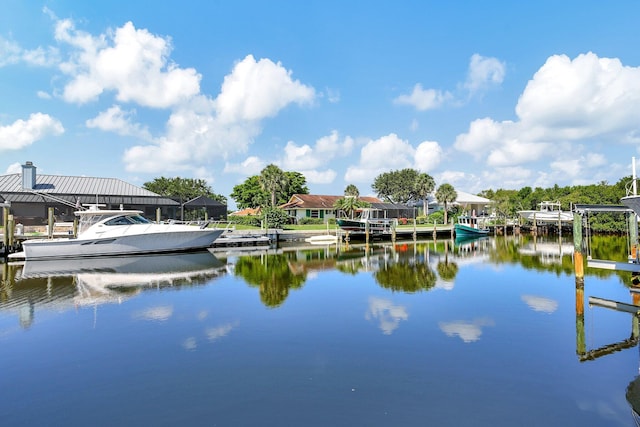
(80, 187)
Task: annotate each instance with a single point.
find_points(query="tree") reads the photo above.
(274, 181)
(349, 204)
(250, 194)
(396, 186)
(423, 187)
(352, 190)
(183, 189)
(296, 184)
(445, 195)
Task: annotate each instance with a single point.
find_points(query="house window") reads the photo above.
(314, 213)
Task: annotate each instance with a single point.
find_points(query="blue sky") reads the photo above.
(479, 95)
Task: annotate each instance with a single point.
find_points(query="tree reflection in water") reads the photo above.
(272, 275)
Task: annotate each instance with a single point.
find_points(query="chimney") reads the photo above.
(28, 176)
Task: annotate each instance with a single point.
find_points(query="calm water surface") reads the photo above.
(488, 333)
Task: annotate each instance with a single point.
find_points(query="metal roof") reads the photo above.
(78, 185)
(84, 189)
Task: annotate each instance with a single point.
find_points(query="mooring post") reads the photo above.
(366, 231)
(10, 230)
(158, 215)
(5, 220)
(415, 231)
(578, 263)
(633, 236)
(50, 222)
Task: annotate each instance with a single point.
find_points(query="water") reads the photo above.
(487, 333)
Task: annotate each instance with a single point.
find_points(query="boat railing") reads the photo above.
(631, 187)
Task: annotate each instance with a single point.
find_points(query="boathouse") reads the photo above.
(30, 195)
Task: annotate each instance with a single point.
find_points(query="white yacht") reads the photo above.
(119, 232)
(547, 212)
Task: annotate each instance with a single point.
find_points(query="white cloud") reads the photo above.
(424, 99)
(483, 72)
(566, 104)
(390, 153)
(23, 133)
(319, 177)
(204, 130)
(256, 90)
(12, 53)
(250, 166)
(116, 120)
(428, 156)
(298, 157)
(131, 62)
(14, 168)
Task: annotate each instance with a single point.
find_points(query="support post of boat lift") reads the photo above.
(632, 223)
(366, 231)
(415, 231)
(578, 261)
(158, 215)
(50, 222)
(75, 227)
(10, 230)
(5, 220)
(534, 230)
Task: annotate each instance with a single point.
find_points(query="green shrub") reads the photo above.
(314, 221)
(249, 220)
(275, 218)
(438, 217)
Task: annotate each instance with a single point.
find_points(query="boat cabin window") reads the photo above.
(128, 220)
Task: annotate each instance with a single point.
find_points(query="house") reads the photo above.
(247, 212)
(30, 195)
(302, 206)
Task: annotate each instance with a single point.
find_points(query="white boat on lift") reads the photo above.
(119, 232)
(547, 212)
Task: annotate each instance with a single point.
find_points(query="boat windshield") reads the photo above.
(128, 220)
(87, 221)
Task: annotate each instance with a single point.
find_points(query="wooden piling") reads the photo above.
(578, 262)
(5, 220)
(50, 222)
(10, 230)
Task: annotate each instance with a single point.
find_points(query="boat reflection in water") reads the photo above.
(66, 284)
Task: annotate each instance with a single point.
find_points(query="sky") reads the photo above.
(479, 95)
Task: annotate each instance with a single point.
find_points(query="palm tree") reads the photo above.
(273, 180)
(349, 204)
(352, 190)
(424, 186)
(445, 195)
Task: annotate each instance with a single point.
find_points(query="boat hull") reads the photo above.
(111, 244)
(464, 231)
(547, 216)
(632, 202)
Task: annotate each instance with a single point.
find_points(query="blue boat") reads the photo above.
(469, 226)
